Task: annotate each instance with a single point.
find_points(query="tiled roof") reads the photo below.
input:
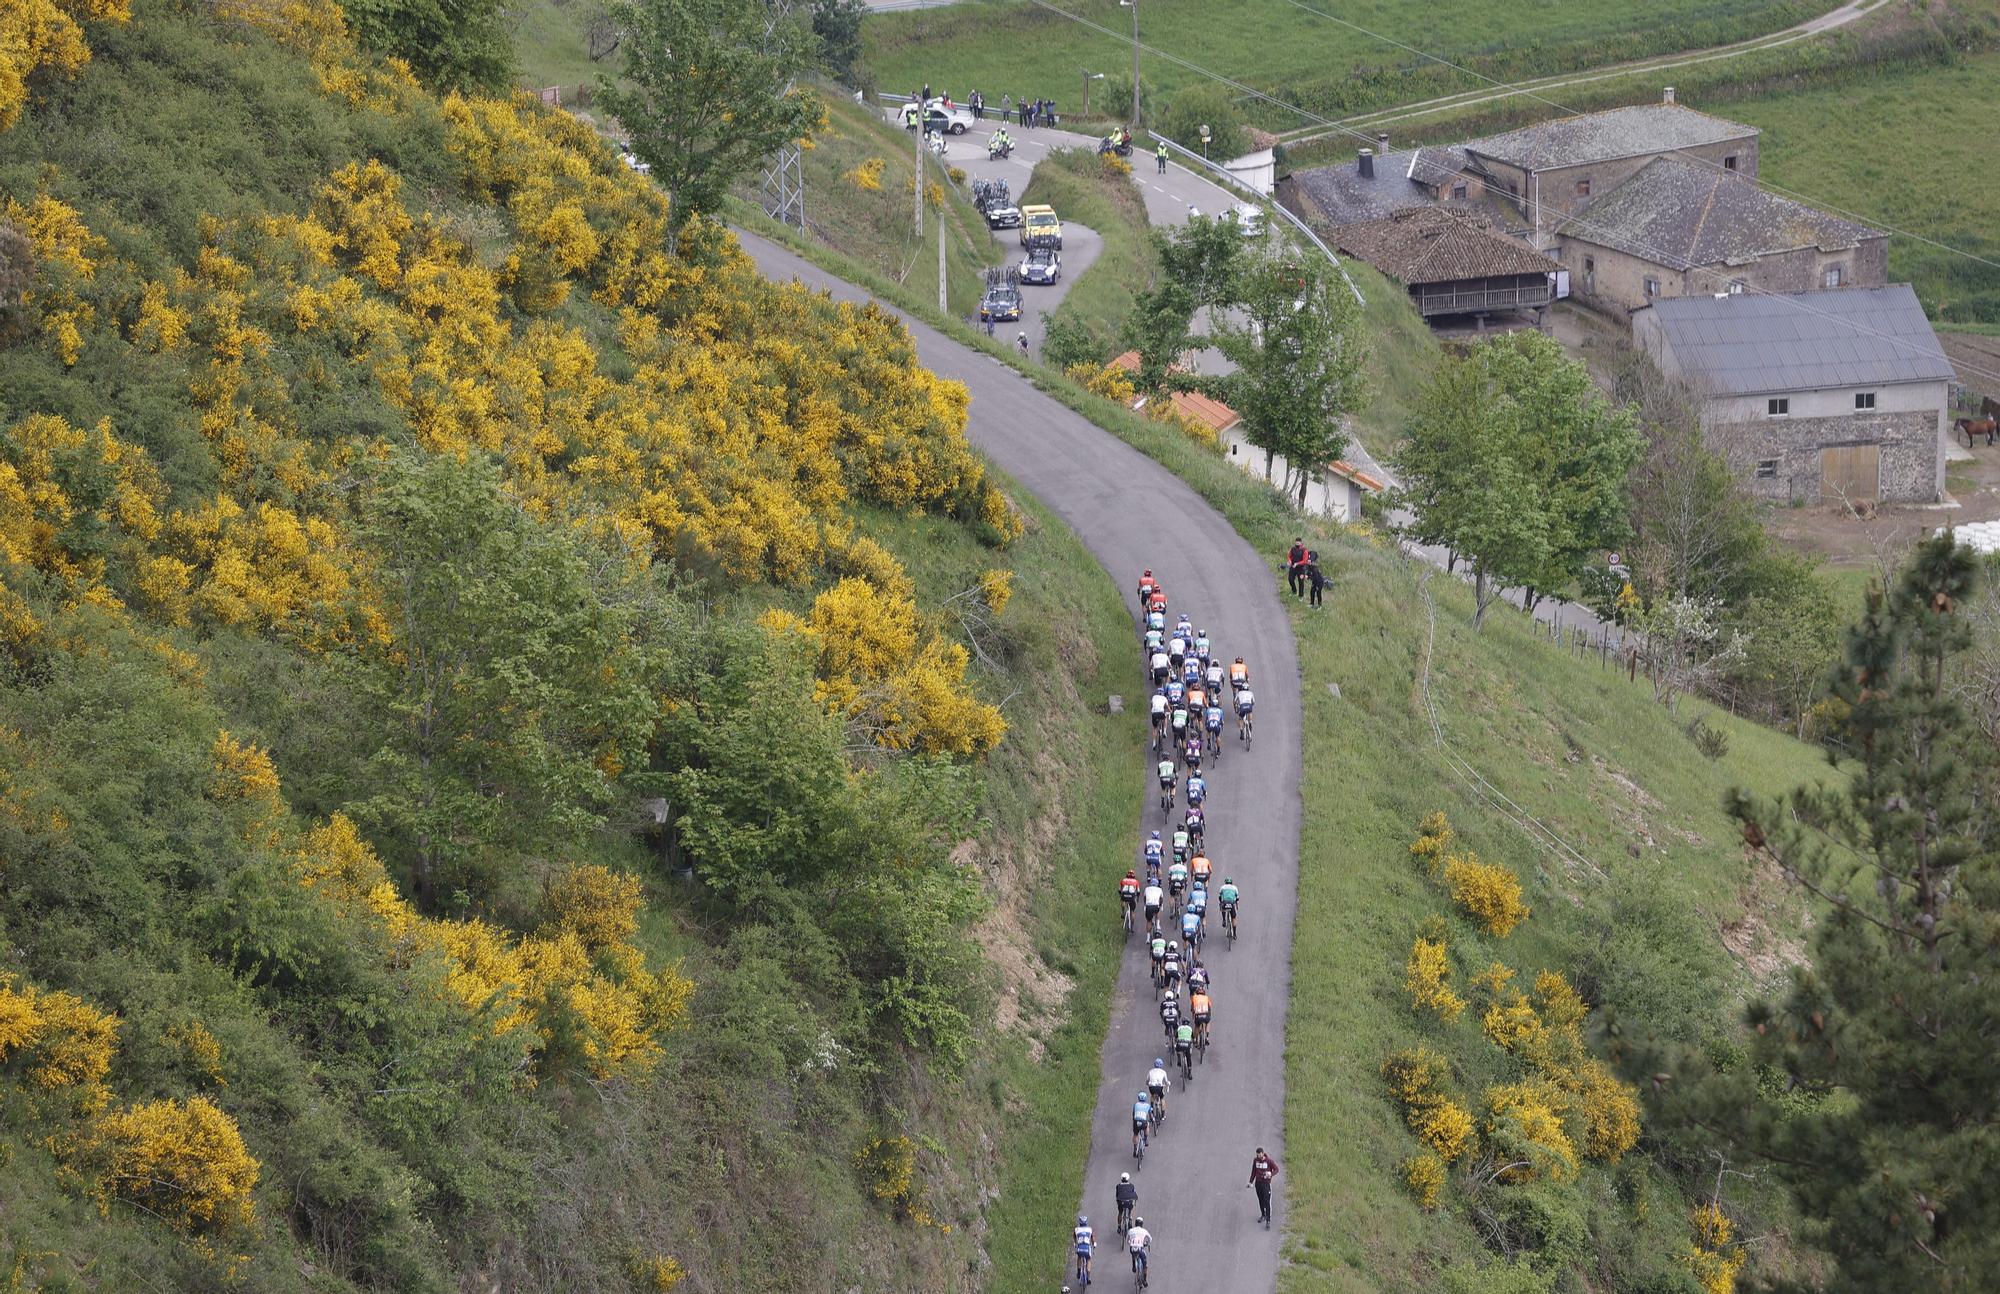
(1681, 214)
(1342, 468)
(1434, 245)
(1344, 197)
(1213, 414)
(1759, 343)
(1602, 136)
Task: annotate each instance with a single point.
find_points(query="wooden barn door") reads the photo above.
(1850, 472)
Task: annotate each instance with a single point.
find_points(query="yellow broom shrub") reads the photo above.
(1433, 839)
(1525, 1122)
(1427, 979)
(1488, 893)
(182, 1161)
(1712, 1259)
(1425, 1175)
(1416, 1079)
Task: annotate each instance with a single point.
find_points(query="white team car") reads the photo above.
(1041, 267)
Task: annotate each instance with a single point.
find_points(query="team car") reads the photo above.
(1002, 302)
(996, 204)
(1042, 267)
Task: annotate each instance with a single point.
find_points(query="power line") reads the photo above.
(1528, 92)
(1579, 221)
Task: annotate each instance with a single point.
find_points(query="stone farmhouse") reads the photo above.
(1812, 396)
(1676, 228)
(1453, 263)
(1638, 203)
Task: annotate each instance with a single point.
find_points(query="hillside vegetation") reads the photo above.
(484, 804)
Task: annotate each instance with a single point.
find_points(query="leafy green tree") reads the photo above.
(1695, 531)
(708, 91)
(515, 686)
(1294, 335)
(1197, 269)
(1516, 463)
(1890, 1138)
(1205, 104)
(1791, 626)
(450, 44)
(837, 23)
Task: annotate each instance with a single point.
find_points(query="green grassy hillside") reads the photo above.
(390, 536)
(999, 47)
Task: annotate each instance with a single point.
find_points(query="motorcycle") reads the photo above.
(1123, 148)
(999, 151)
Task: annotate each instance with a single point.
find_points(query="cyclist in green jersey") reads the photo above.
(1184, 1048)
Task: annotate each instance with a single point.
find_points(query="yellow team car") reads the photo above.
(1040, 227)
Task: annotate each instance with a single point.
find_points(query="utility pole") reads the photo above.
(1135, 63)
(918, 183)
(944, 306)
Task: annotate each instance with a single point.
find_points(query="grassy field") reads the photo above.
(1912, 147)
(1084, 191)
(1005, 46)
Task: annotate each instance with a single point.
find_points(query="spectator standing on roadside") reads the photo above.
(1295, 567)
(1024, 111)
(1262, 1169)
(978, 106)
(1315, 577)
(1006, 105)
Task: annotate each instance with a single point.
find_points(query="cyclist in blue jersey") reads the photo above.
(1211, 722)
(1142, 1114)
(1191, 928)
(1197, 789)
(1176, 691)
(1085, 1239)
(1201, 647)
(1155, 847)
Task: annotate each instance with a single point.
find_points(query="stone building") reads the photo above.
(1812, 396)
(1379, 183)
(1676, 228)
(1554, 170)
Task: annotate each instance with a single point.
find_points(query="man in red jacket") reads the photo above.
(1295, 567)
(1262, 1169)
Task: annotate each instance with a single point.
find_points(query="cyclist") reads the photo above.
(1158, 665)
(1227, 896)
(1157, 945)
(1192, 755)
(1195, 823)
(1197, 698)
(1183, 843)
(1201, 647)
(1168, 776)
(1190, 671)
(1197, 977)
(1214, 677)
(1197, 789)
(1179, 724)
(1156, 601)
(1153, 897)
(1170, 1013)
(1085, 1238)
(1138, 1243)
(1198, 1009)
(1177, 877)
(1156, 622)
(1200, 869)
(1184, 1048)
(1176, 650)
(1142, 1115)
(1156, 1086)
(1246, 700)
(1239, 675)
(1146, 585)
(1211, 724)
(1128, 896)
(1191, 929)
(1160, 716)
(1154, 848)
(1198, 900)
(1170, 969)
(1128, 1199)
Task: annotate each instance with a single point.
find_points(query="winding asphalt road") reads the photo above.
(1131, 513)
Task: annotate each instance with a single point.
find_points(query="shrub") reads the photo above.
(1433, 839)
(1489, 894)
(888, 1168)
(183, 1161)
(1525, 1131)
(1610, 1110)
(1711, 1257)
(1416, 1079)
(1424, 1175)
(1427, 980)
(868, 176)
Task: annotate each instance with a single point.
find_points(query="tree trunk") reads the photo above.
(1269, 455)
(1482, 595)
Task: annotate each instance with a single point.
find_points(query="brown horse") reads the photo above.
(1987, 426)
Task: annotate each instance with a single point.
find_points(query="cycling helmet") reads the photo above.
(1156, 835)
(1170, 995)
(1149, 570)
(1124, 1177)
(1239, 660)
(1173, 946)
(1159, 1062)
(1082, 1221)
(1138, 1222)
(1229, 880)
